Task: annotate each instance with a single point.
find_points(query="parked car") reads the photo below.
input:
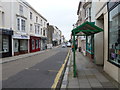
(68, 44)
(63, 45)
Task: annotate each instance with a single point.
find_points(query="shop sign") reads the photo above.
(6, 32)
(21, 36)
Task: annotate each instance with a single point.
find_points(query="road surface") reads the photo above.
(38, 71)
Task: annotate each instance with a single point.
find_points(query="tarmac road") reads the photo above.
(38, 71)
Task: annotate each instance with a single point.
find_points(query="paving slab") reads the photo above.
(89, 76)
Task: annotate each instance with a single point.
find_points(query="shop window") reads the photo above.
(16, 45)
(114, 36)
(5, 44)
(37, 44)
(33, 44)
(90, 43)
(23, 45)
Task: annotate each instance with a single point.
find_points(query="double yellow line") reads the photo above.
(57, 78)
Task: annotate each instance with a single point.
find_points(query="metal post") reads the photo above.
(74, 62)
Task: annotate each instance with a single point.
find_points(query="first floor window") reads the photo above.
(114, 35)
(18, 23)
(44, 32)
(23, 25)
(31, 27)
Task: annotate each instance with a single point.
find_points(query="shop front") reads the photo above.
(114, 33)
(6, 42)
(43, 43)
(20, 44)
(35, 44)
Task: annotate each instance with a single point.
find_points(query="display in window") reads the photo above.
(37, 44)
(114, 36)
(33, 44)
(5, 44)
(16, 45)
(23, 45)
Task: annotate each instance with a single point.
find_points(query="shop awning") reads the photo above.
(86, 29)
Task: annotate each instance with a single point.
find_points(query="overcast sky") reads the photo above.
(61, 13)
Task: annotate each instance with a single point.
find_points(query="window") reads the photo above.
(36, 19)
(114, 36)
(37, 43)
(18, 24)
(33, 44)
(90, 44)
(23, 25)
(31, 28)
(30, 15)
(89, 11)
(41, 22)
(21, 9)
(5, 43)
(38, 29)
(23, 45)
(35, 29)
(44, 24)
(44, 32)
(41, 31)
(16, 45)
(3, 19)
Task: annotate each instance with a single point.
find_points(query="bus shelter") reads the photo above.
(85, 29)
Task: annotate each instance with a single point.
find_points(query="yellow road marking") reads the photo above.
(60, 72)
(52, 70)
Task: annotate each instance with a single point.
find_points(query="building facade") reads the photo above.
(29, 27)
(89, 44)
(5, 34)
(54, 36)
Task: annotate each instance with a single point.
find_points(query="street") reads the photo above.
(38, 71)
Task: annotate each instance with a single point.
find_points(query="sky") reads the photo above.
(60, 13)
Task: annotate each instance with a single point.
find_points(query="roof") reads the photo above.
(86, 29)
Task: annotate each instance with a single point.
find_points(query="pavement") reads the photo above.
(89, 76)
(14, 58)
